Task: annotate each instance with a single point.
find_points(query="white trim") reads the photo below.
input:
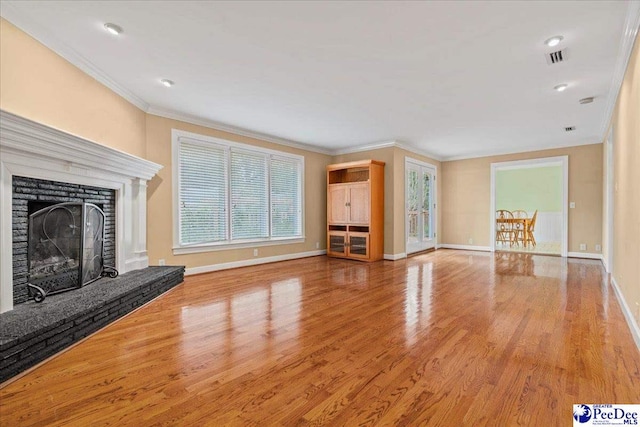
(249, 262)
(177, 136)
(394, 257)
(585, 255)
(631, 25)
(465, 247)
(626, 311)
(562, 161)
(517, 150)
(385, 144)
(22, 135)
(48, 39)
(608, 203)
(239, 245)
(33, 150)
(212, 124)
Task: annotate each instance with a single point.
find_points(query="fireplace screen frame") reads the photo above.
(60, 275)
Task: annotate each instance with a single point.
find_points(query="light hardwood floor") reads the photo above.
(444, 338)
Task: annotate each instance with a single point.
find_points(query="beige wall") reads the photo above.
(160, 212)
(466, 189)
(626, 196)
(37, 84)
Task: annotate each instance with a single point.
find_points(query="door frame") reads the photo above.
(562, 161)
(434, 198)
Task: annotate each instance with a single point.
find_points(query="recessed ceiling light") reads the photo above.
(561, 88)
(113, 28)
(553, 41)
(587, 100)
(167, 82)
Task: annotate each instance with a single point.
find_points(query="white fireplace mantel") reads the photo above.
(33, 150)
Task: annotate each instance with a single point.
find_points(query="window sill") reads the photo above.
(211, 247)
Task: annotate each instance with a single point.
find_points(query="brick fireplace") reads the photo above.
(40, 163)
(29, 196)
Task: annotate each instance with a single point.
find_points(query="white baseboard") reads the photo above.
(394, 257)
(465, 247)
(584, 255)
(248, 262)
(628, 315)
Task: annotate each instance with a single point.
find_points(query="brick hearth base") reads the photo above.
(34, 331)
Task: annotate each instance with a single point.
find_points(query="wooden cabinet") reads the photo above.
(355, 210)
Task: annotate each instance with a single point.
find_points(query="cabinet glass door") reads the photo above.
(359, 245)
(338, 243)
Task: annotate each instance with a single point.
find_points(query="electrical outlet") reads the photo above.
(161, 262)
(255, 252)
(317, 245)
(470, 241)
(598, 248)
(572, 205)
(583, 247)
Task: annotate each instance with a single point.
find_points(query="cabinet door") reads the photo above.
(337, 243)
(359, 245)
(359, 206)
(338, 211)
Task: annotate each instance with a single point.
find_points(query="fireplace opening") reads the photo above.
(65, 247)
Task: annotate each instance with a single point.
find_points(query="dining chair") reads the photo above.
(504, 229)
(529, 238)
(519, 228)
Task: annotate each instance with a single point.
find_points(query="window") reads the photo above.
(231, 195)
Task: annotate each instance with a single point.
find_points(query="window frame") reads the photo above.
(177, 137)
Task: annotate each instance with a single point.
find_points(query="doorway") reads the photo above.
(538, 187)
(420, 197)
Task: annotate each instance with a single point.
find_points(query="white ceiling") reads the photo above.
(450, 79)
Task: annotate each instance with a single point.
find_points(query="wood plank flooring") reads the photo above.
(444, 338)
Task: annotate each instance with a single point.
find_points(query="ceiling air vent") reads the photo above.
(556, 57)
(570, 128)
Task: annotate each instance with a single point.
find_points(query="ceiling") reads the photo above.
(447, 79)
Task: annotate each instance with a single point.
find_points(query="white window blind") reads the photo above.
(249, 196)
(234, 194)
(203, 193)
(286, 200)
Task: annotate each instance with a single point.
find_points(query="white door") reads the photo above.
(420, 206)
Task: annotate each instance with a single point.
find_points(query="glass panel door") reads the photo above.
(359, 245)
(338, 243)
(420, 206)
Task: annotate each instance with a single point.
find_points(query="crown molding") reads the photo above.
(47, 38)
(211, 124)
(631, 25)
(478, 155)
(386, 144)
